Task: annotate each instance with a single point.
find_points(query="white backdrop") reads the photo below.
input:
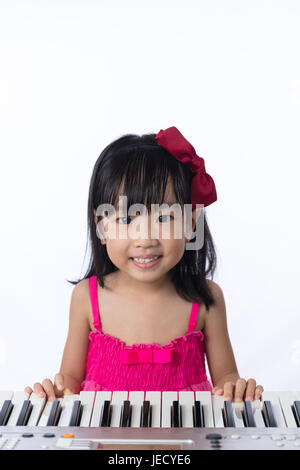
(76, 75)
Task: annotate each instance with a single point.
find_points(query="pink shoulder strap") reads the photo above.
(94, 302)
(193, 317)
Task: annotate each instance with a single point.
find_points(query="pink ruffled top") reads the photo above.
(112, 365)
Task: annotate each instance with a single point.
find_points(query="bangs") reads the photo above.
(143, 175)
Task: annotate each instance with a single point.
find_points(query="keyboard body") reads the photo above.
(149, 439)
(149, 420)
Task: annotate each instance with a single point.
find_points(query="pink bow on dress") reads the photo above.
(141, 356)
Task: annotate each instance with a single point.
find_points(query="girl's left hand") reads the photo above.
(240, 390)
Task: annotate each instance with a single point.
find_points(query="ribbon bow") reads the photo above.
(141, 356)
(203, 190)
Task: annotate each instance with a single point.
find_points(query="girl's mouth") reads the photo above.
(146, 264)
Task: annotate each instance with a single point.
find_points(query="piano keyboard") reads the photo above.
(151, 419)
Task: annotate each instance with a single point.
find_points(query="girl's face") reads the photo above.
(156, 233)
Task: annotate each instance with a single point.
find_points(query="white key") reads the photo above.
(218, 408)
(206, 402)
(257, 406)
(87, 402)
(101, 396)
(136, 401)
(46, 412)
(38, 404)
(118, 398)
(218, 405)
(18, 399)
(66, 409)
(154, 397)
(167, 402)
(187, 401)
(274, 399)
(238, 409)
(286, 401)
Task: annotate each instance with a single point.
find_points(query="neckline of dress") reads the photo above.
(148, 345)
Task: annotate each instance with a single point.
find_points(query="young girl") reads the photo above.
(137, 325)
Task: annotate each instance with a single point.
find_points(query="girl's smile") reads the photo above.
(146, 264)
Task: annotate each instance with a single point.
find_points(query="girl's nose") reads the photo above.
(144, 229)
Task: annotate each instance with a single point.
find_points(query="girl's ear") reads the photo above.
(103, 242)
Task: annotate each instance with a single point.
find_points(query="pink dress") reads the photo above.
(111, 365)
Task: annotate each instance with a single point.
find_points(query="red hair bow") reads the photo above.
(203, 190)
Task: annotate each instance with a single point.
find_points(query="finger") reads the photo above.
(217, 391)
(38, 389)
(49, 389)
(68, 391)
(240, 387)
(250, 390)
(28, 390)
(228, 390)
(258, 392)
(59, 381)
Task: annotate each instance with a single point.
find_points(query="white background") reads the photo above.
(76, 75)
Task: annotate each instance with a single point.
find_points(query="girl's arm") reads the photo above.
(74, 358)
(220, 358)
(72, 369)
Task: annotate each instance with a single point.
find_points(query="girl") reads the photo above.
(147, 325)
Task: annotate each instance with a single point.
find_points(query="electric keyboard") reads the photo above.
(149, 420)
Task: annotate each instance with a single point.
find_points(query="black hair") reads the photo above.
(144, 167)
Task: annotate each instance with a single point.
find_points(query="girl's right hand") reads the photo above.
(51, 390)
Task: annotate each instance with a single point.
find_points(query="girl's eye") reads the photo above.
(123, 218)
(166, 215)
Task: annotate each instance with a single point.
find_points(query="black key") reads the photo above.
(146, 415)
(76, 413)
(198, 417)
(228, 415)
(176, 421)
(125, 417)
(5, 412)
(248, 415)
(25, 413)
(296, 411)
(105, 414)
(268, 415)
(54, 413)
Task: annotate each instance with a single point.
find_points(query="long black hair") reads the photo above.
(144, 167)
